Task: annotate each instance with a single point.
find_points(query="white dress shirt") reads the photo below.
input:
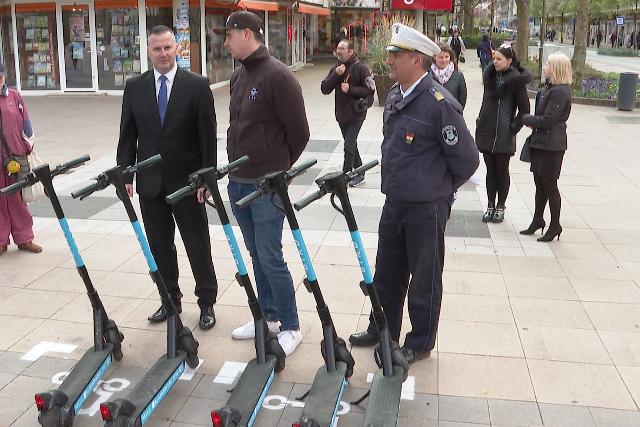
(171, 75)
(407, 92)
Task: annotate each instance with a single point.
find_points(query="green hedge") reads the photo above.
(617, 52)
(471, 42)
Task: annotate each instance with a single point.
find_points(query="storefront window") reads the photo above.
(219, 61)
(77, 46)
(6, 45)
(117, 42)
(38, 46)
(325, 42)
(280, 35)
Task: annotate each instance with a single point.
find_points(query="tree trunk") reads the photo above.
(522, 39)
(468, 17)
(579, 58)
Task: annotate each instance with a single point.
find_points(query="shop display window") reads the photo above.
(280, 35)
(219, 61)
(6, 45)
(117, 42)
(38, 46)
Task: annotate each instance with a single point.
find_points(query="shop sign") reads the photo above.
(355, 4)
(421, 4)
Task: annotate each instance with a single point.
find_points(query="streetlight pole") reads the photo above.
(543, 27)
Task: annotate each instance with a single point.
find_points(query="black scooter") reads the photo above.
(182, 347)
(386, 388)
(247, 396)
(323, 399)
(58, 408)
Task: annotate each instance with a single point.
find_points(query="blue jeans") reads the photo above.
(261, 224)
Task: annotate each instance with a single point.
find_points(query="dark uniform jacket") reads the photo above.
(550, 121)
(504, 93)
(267, 119)
(427, 151)
(356, 75)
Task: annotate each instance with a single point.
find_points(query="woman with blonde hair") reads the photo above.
(549, 142)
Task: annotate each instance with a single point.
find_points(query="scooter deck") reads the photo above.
(324, 397)
(147, 395)
(384, 399)
(251, 389)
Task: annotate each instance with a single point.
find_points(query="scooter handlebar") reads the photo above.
(86, 191)
(62, 168)
(143, 164)
(362, 169)
(248, 199)
(304, 202)
(233, 165)
(16, 186)
(297, 170)
(175, 197)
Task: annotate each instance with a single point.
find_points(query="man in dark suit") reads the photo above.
(170, 111)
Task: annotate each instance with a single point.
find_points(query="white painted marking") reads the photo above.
(276, 402)
(229, 372)
(408, 387)
(188, 373)
(104, 390)
(47, 347)
(282, 402)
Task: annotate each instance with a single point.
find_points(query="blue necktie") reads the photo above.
(162, 98)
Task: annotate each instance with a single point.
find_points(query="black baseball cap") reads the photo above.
(241, 19)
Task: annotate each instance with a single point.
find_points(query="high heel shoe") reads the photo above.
(535, 226)
(551, 234)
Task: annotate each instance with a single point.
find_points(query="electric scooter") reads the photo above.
(182, 347)
(386, 388)
(58, 408)
(323, 399)
(248, 394)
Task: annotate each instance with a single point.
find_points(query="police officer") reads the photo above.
(427, 153)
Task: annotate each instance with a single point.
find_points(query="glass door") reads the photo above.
(77, 30)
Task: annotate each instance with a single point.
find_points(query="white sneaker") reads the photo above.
(248, 330)
(289, 341)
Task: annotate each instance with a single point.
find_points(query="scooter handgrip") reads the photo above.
(297, 170)
(233, 165)
(15, 187)
(304, 202)
(88, 190)
(362, 169)
(174, 198)
(248, 199)
(149, 162)
(76, 162)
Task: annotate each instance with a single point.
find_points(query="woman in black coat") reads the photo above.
(445, 71)
(504, 102)
(549, 142)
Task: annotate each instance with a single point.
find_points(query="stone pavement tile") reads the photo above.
(539, 312)
(564, 249)
(13, 329)
(476, 308)
(491, 339)
(335, 255)
(470, 262)
(46, 367)
(539, 287)
(631, 377)
(24, 388)
(29, 418)
(340, 289)
(456, 424)
(624, 347)
(311, 326)
(47, 258)
(116, 243)
(612, 417)
(469, 283)
(11, 363)
(484, 376)
(624, 252)
(19, 277)
(120, 284)
(81, 311)
(530, 266)
(12, 409)
(183, 425)
(614, 317)
(34, 303)
(601, 290)
(6, 292)
(365, 364)
(514, 413)
(6, 379)
(565, 415)
(622, 237)
(207, 389)
(570, 345)
(198, 411)
(633, 269)
(463, 409)
(138, 264)
(422, 406)
(170, 407)
(596, 268)
(230, 293)
(100, 260)
(578, 235)
(579, 383)
(65, 280)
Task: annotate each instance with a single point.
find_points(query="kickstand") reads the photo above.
(359, 401)
(304, 396)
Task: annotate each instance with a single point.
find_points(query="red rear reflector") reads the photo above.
(105, 412)
(40, 403)
(216, 419)
(295, 425)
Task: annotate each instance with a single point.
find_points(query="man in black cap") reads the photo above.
(267, 122)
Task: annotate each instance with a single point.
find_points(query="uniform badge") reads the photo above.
(436, 94)
(450, 134)
(253, 93)
(409, 138)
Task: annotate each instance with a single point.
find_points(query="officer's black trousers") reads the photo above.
(410, 260)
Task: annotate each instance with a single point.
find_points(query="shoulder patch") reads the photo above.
(450, 134)
(437, 94)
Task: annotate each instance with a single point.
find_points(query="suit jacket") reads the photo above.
(186, 140)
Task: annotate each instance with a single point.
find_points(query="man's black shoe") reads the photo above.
(363, 339)
(414, 356)
(207, 318)
(161, 314)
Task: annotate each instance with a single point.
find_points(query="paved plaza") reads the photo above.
(530, 334)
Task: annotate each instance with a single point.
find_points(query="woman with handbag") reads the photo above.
(445, 71)
(16, 137)
(548, 142)
(504, 102)
(456, 43)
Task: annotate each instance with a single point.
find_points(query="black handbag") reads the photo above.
(525, 154)
(461, 58)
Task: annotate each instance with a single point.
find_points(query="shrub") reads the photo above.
(471, 41)
(617, 52)
(379, 40)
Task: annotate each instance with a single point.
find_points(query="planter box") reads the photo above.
(383, 85)
(589, 101)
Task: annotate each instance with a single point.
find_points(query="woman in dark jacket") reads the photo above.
(484, 50)
(504, 103)
(549, 142)
(445, 71)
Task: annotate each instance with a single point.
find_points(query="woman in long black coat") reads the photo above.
(504, 102)
(549, 142)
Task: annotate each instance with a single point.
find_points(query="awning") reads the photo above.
(258, 5)
(314, 10)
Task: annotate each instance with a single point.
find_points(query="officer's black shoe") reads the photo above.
(161, 314)
(363, 339)
(488, 215)
(207, 318)
(414, 356)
